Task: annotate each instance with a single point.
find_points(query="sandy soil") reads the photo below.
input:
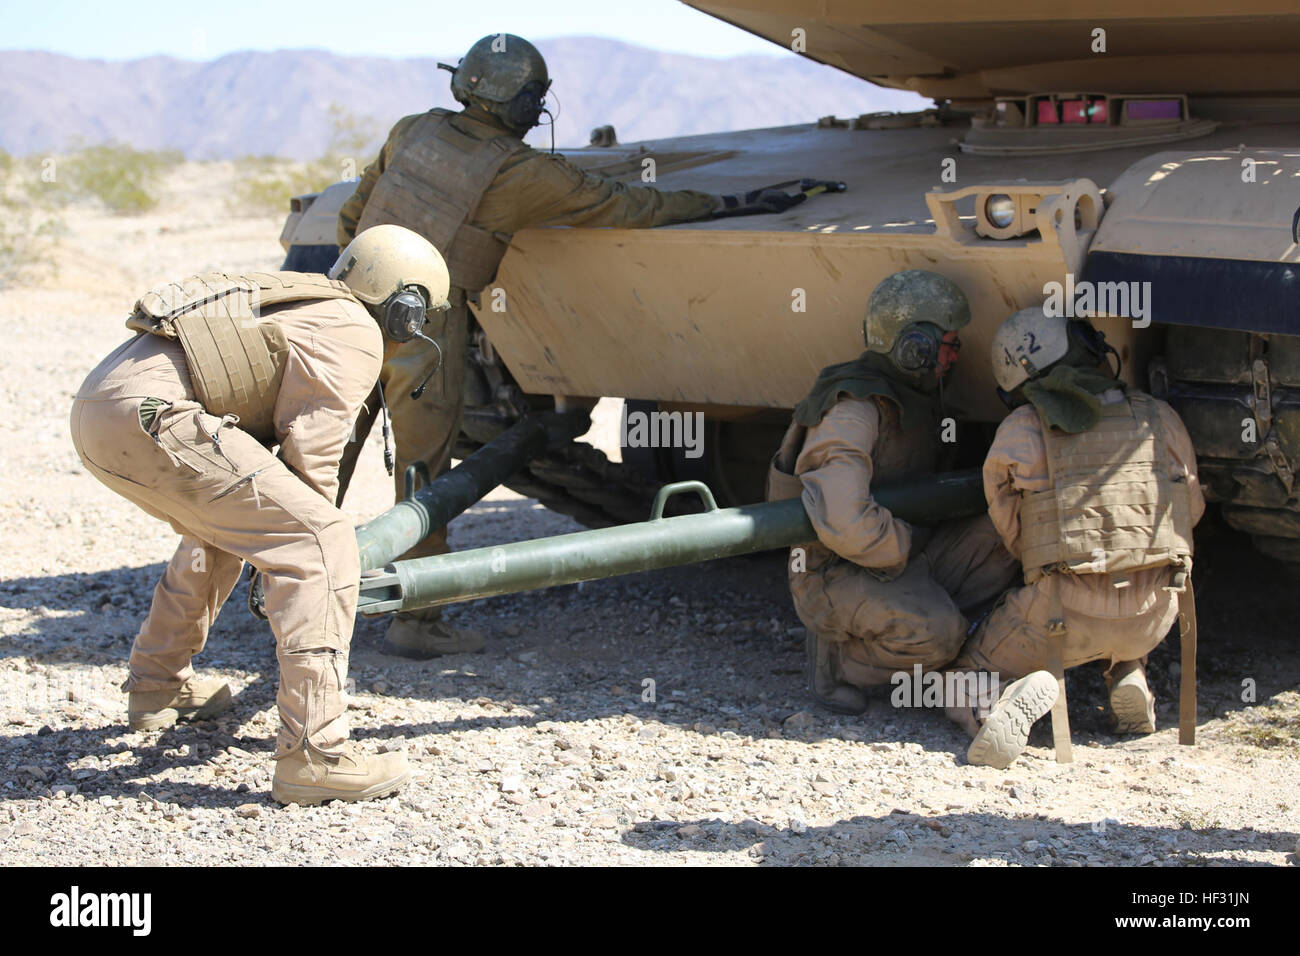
(546, 748)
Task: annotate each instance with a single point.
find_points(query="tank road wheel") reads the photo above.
(580, 481)
(734, 460)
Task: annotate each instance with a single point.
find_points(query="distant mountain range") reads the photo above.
(279, 103)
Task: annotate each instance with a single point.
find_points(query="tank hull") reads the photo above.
(744, 312)
(734, 317)
(961, 50)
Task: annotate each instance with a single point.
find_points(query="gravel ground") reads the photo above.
(552, 746)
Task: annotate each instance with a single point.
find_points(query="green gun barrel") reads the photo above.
(391, 534)
(647, 545)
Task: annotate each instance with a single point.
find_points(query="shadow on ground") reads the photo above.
(719, 641)
(905, 839)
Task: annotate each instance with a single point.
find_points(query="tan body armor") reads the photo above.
(902, 452)
(236, 359)
(1112, 507)
(433, 185)
(899, 453)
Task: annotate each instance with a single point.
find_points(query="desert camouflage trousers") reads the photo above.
(877, 627)
(232, 501)
(1013, 640)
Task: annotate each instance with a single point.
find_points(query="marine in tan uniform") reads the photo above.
(876, 594)
(467, 182)
(1092, 485)
(180, 421)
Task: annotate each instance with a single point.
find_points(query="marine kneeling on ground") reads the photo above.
(1092, 486)
(878, 595)
(181, 421)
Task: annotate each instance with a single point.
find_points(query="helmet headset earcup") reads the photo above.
(917, 347)
(1091, 342)
(402, 315)
(524, 111)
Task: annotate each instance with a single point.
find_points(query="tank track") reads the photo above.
(1239, 395)
(574, 479)
(580, 481)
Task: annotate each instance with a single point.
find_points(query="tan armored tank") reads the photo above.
(1128, 163)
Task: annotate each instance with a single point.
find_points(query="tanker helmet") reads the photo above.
(909, 314)
(398, 273)
(505, 75)
(1027, 345)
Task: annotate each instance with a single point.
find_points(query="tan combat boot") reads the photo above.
(1131, 700)
(420, 638)
(306, 777)
(823, 678)
(1005, 733)
(199, 698)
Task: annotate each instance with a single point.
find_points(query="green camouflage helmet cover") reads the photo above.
(908, 297)
(496, 68)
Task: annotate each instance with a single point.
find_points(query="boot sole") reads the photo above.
(159, 719)
(1132, 710)
(1005, 734)
(309, 796)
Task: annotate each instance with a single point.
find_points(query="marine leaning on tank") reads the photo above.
(467, 183)
(1095, 161)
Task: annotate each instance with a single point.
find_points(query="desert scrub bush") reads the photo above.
(26, 239)
(264, 184)
(126, 180)
(28, 233)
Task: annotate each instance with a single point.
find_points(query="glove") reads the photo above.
(757, 202)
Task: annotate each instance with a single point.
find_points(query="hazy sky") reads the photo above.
(126, 29)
